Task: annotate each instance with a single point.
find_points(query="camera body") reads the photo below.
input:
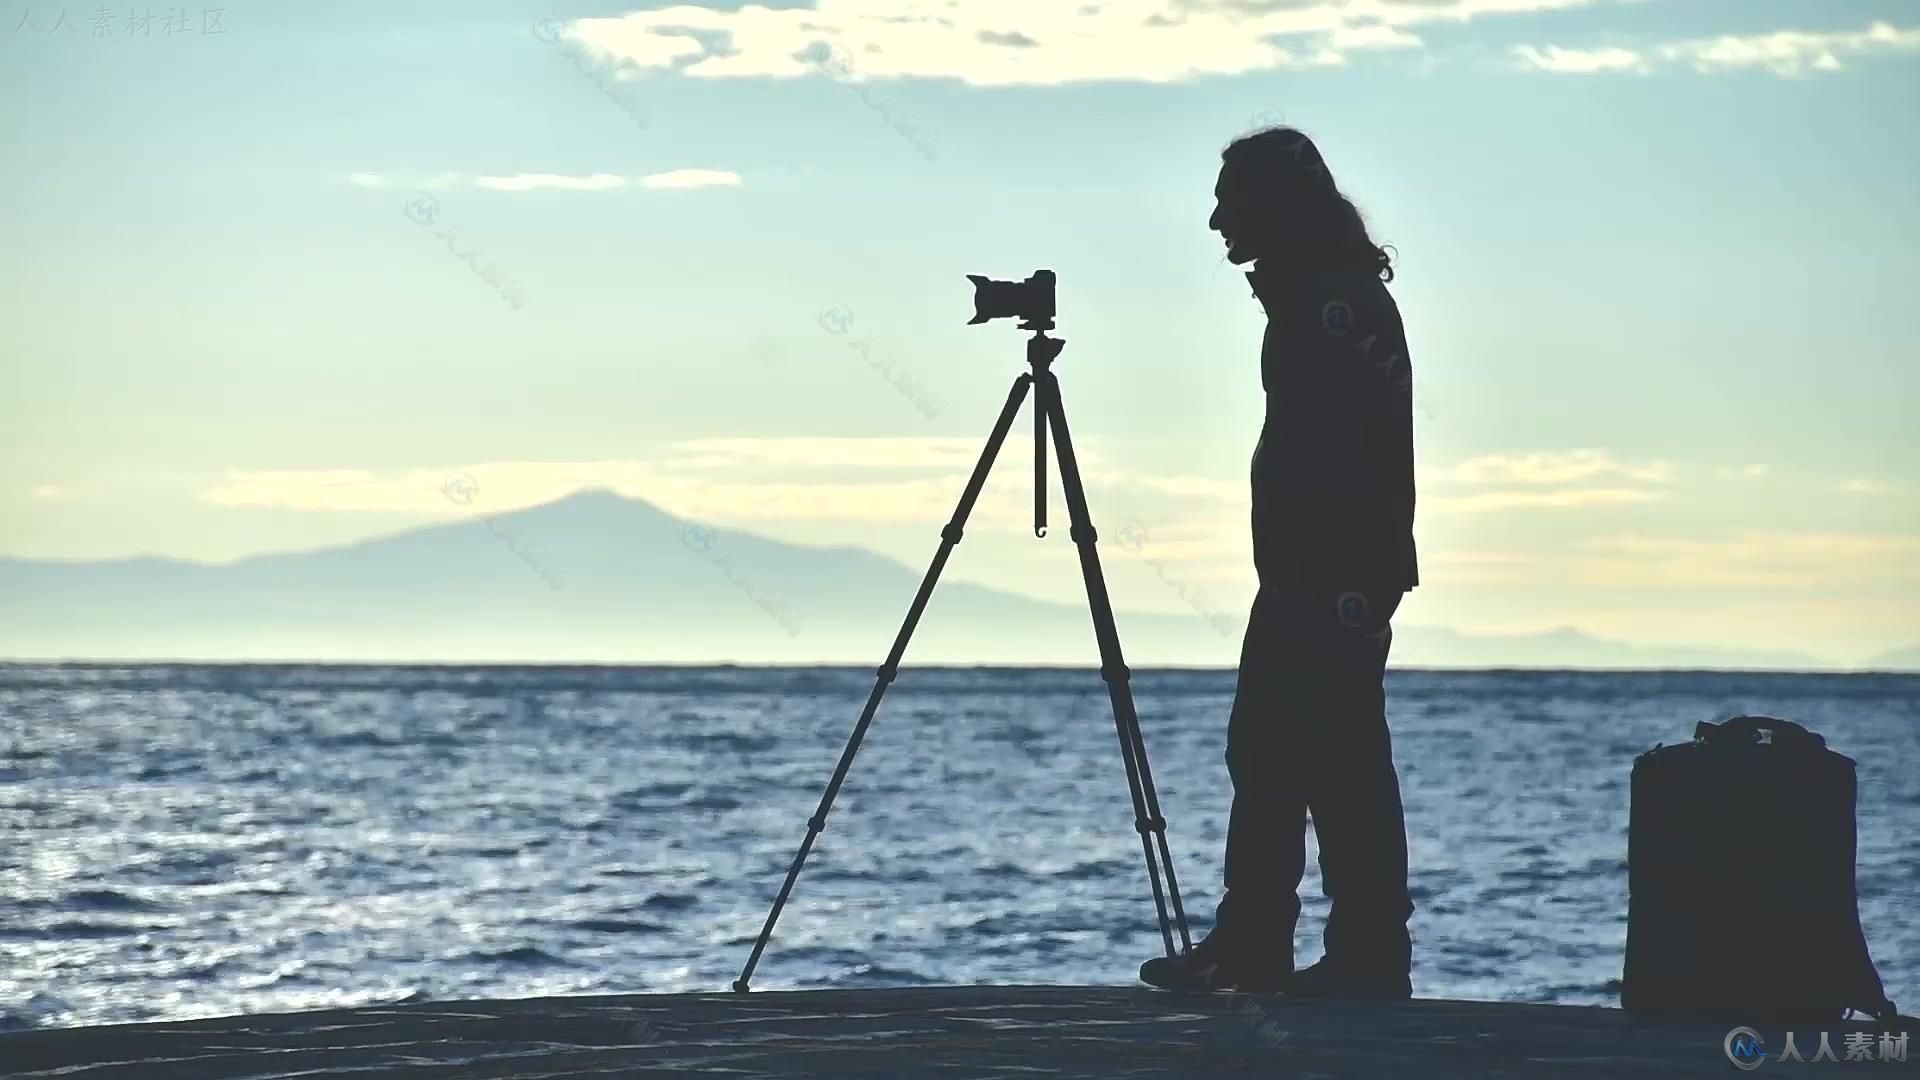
(1030, 301)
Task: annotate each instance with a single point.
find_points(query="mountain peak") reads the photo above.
(593, 495)
(593, 507)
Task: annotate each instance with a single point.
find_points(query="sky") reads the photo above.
(271, 274)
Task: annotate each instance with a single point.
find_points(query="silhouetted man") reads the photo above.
(1333, 496)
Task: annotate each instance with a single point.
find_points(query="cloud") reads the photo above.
(1580, 61)
(1470, 567)
(1788, 53)
(49, 493)
(1802, 560)
(924, 452)
(913, 481)
(1220, 542)
(537, 181)
(1791, 52)
(1742, 472)
(1371, 36)
(1544, 480)
(1554, 467)
(1032, 42)
(367, 179)
(1564, 499)
(685, 492)
(720, 479)
(1858, 486)
(819, 478)
(1192, 487)
(691, 178)
(1798, 559)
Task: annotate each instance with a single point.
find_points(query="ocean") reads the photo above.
(183, 841)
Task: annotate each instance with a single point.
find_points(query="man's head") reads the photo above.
(1275, 198)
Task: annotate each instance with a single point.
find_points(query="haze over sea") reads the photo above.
(194, 840)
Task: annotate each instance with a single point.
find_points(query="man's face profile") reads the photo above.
(1237, 217)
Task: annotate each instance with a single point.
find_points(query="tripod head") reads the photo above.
(1041, 349)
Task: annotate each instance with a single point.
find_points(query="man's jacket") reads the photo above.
(1333, 471)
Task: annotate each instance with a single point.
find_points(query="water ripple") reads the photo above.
(180, 840)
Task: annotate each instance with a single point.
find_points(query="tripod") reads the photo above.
(1048, 410)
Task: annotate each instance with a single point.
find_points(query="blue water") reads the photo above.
(182, 841)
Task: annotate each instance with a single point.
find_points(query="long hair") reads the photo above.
(1284, 166)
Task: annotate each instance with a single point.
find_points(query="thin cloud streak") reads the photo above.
(826, 478)
(1564, 499)
(1554, 467)
(1561, 61)
(1786, 53)
(1062, 41)
(1776, 559)
(691, 178)
(538, 181)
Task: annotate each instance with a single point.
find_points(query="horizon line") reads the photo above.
(9, 661)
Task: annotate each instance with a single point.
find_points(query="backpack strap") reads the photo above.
(1886, 1015)
(1756, 731)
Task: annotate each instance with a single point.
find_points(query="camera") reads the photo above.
(1030, 301)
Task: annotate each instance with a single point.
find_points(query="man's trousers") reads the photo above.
(1308, 735)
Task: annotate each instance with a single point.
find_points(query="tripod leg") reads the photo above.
(1133, 747)
(1039, 469)
(949, 537)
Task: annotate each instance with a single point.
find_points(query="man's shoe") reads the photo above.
(1323, 980)
(1217, 964)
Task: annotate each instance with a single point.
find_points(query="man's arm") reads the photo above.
(1351, 433)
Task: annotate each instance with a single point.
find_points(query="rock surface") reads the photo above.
(987, 1031)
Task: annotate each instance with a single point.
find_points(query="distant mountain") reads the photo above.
(1432, 646)
(1907, 659)
(597, 578)
(593, 577)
